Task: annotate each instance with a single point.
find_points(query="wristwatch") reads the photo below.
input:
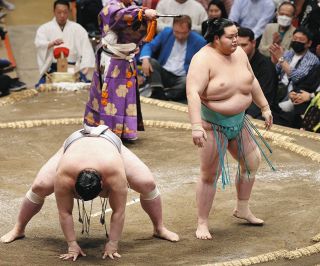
(281, 60)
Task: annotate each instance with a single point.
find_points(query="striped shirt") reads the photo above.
(307, 62)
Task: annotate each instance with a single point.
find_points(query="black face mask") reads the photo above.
(298, 47)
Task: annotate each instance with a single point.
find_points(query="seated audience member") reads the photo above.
(8, 84)
(181, 7)
(7, 5)
(216, 9)
(308, 15)
(62, 32)
(228, 4)
(311, 118)
(302, 95)
(176, 47)
(292, 66)
(280, 32)
(310, 19)
(254, 15)
(262, 67)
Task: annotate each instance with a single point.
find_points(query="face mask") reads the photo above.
(298, 47)
(284, 21)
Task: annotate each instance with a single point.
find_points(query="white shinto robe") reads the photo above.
(74, 37)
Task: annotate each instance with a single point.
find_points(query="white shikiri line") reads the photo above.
(288, 171)
(133, 201)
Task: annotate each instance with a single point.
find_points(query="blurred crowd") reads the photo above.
(9, 81)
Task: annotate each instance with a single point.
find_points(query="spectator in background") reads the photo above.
(62, 32)
(228, 4)
(262, 67)
(292, 66)
(181, 7)
(176, 47)
(253, 14)
(311, 20)
(216, 9)
(308, 15)
(7, 5)
(8, 84)
(280, 32)
(311, 118)
(302, 95)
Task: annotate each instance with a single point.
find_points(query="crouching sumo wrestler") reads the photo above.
(92, 162)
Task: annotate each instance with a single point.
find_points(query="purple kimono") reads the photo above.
(114, 99)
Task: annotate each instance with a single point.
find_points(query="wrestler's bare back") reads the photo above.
(95, 153)
(227, 80)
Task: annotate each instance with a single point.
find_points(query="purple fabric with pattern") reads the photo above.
(113, 100)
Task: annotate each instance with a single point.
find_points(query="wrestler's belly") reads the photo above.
(233, 105)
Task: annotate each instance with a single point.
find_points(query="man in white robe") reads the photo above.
(62, 32)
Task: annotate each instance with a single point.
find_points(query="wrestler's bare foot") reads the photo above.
(248, 216)
(203, 232)
(165, 234)
(11, 236)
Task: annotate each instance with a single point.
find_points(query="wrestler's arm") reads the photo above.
(260, 100)
(197, 82)
(63, 189)
(117, 200)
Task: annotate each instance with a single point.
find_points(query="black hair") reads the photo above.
(221, 6)
(305, 32)
(216, 28)
(61, 2)
(88, 184)
(290, 3)
(246, 32)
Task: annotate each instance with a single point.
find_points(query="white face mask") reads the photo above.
(284, 21)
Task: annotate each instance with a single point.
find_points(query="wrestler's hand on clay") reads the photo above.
(74, 251)
(267, 115)
(199, 135)
(111, 250)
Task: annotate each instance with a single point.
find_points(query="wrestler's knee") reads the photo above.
(34, 197)
(152, 194)
(42, 189)
(209, 174)
(253, 161)
(146, 186)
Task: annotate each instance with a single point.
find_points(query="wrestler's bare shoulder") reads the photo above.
(203, 54)
(240, 54)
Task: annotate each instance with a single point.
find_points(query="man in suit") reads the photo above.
(175, 47)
